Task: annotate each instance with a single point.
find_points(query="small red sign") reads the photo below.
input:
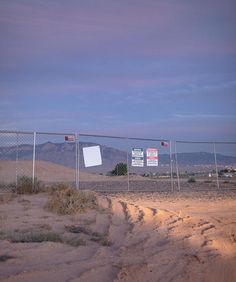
(70, 138)
(164, 144)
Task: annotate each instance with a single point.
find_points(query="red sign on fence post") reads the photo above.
(70, 138)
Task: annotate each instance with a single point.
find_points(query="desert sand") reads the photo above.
(152, 237)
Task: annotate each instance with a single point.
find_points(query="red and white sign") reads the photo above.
(164, 144)
(152, 157)
(70, 138)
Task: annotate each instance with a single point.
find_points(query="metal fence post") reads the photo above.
(127, 160)
(77, 160)
(17, 157)
(217, 178)
(171, 169)
(33, 172)
(177, 166)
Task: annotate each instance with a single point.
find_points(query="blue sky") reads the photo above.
(164, 69)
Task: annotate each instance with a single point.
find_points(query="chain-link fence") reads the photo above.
(205, 165)
(55, 158)
(16, 159)
(31, 160)
(125, 164)
(112, 164)
(102, 174)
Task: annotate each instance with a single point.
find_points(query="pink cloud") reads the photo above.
(140, 28)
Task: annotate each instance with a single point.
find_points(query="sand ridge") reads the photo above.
(153, 238)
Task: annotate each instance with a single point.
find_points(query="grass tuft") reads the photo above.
(37, 236)
(5, 258)
(102, 240)
(191, 180)
(94, 236)
(75, 242)
(6, 198)
(67, 200)
(77, 229)
(34, 237)
(25, 185)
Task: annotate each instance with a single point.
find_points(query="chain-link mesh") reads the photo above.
(55, 158)
(111, 173)
(112, 164)
(118, 170)
(226, 165)
(146, 174)
(205, 165)
(16, 160)
(7, 161)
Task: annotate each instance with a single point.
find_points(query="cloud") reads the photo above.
(131, 66)
(153, 29)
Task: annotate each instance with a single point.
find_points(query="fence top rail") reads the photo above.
(206, 142)
(16, 132)
(123, 137)
(37, 132)
(55, 133)
(116, 137)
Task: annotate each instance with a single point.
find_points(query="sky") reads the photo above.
(148, 68)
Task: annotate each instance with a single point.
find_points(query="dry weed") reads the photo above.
(4, 258)
(6, 197)
(32, 236)
(26, 185)
(66, 200)
(93, 236)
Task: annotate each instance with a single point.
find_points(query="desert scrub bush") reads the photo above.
(94, 236)
(57, 187)
(191, 180)
(67, 200)
(5, 258)
(6, 197)
(102, 240)
(75, 242)
(25, 185)
(37, 236)
(77, 229)
(31, 237)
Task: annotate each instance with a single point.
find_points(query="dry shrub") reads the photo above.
(31, 236)
(75, 242)
(102, 240)
(25, 185)
(191, 180)
(94, 236)
(4, 258)
(67, 200)
(6, 198)
(37, 236)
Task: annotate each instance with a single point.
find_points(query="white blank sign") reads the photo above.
(92, 156)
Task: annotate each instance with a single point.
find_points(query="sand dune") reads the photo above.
(45, 171)
(154, 237)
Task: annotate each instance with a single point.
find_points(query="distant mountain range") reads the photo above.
(64, 154)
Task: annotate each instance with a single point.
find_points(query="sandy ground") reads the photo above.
(154, 237)
(45, 171)
(50, 173)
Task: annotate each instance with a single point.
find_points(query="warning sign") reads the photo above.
(137, 157)
(152, 157)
